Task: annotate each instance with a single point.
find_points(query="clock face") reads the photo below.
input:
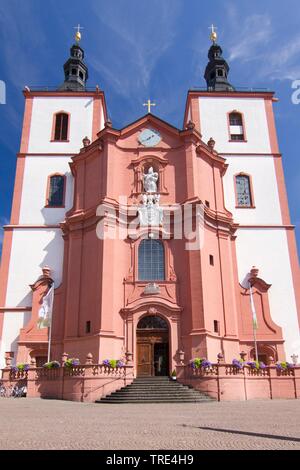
(149, 137)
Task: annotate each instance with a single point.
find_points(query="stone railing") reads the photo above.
(86, 382)
(228, 382)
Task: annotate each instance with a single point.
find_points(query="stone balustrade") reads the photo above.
(86, 382)
(227, 382)
(89, 381)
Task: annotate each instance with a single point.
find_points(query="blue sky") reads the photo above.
(137, 49)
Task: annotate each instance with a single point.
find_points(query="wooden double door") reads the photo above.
(152, 354)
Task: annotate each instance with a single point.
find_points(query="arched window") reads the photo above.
(152, 322)
(151, 260)
(243, 191)
(61, 126)
(236, 126)
(56, 191)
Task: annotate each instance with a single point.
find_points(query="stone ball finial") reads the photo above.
(190, 125)
(89, 358)
(86, 141)
(211, 143)
(46, 271)
(243, 354)
(220, 357)
(254, 271)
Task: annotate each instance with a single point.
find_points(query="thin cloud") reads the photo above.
(143, 38)
(18, 45)
(251, 38)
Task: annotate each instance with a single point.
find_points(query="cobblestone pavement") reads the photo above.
(32, 423)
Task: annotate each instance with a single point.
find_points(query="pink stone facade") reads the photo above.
(206, 309)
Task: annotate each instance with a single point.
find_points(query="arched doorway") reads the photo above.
(152, 347)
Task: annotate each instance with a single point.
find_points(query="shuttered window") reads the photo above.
(61, 126)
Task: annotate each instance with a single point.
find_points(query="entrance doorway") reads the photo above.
(152, 347)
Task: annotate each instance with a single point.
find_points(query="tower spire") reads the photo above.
(217, 69)
(76, 72)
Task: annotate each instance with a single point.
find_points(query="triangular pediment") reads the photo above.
(149, 131)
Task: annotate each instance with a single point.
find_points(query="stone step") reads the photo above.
(150, 389)
(157, 400)
(156, 390)
(157, 393)
(136, 397)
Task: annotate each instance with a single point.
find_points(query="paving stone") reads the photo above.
(33, 423)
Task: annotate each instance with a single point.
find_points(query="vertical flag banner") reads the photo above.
(254, 318)
(45, 312)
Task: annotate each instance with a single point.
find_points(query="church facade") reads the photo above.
(151, 236)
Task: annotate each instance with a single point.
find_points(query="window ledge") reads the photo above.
(54, 207)
(61, 141)
(238, 141)
(245, 207)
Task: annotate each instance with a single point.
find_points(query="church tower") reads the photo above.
(54, 126)
(242, 127)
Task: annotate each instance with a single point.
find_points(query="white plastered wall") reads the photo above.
(81, 120)
(12, 323)
(267, 249)
(214, 123)
(265, 192)
(34, 190)
(31, 250)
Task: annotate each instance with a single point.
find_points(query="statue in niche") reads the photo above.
(150, 180)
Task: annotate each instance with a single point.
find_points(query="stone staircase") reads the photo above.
(156, 390)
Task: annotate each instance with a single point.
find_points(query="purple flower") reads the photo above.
(284, 365)
(238, 364)
(120, 363)
(262, 365)
(252, 364)
(26, 367)
(205, 363)
(73, 361)
(105, 362)
(14, 369)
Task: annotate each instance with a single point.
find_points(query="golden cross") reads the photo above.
(212, 28)
(149, 104)
(78, 27)
(213, 34)
(78, 33)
